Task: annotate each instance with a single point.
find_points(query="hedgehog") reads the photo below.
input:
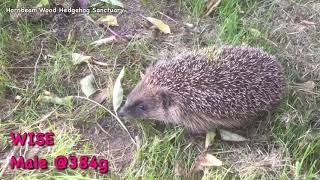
(212, 88)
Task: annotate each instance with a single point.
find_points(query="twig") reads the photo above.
(99, 63)
(214, 6)
(115, 34)
(35, 66)
(209, 4)
(119, 120)
(5, 166)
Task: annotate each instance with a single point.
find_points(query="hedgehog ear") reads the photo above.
(166, 99)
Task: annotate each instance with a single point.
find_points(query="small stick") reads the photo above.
(5, 166)
(115, 34)
(100, 63)
(209, 4)
(214, 6)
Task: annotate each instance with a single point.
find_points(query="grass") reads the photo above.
(292, 131)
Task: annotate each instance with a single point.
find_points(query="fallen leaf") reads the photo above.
(114, 2)
(229, 136)
(209, 139)
(117, 95)
(207, 160)
(42, 3)
(87, 85)
(100, 95)
(48, 97)
(79, 58)
(109, 20)
(178, 170)
(160, 25)
(104, 41)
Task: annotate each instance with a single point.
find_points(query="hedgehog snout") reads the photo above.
(122, 112)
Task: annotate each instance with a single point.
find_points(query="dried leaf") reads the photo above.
(100, 95)
(108, 20)
(209, 139)
(48, 97)
(79, 58)
(104, 41)
(178, 170)
(117, 96)
(160, 25)
(42, 3)
(207, 160)
(229, 136)
(114, 2)
(87, 85)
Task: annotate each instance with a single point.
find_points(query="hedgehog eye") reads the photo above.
(141, 107)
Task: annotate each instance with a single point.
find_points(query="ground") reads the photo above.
(35, 56)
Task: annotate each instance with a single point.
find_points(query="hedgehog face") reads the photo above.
(146, 104)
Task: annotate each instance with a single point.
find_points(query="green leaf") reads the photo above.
(209, 138)
(114, 2)
(109, 20)
(159, 24)
(48, 97)
(87, 85)
(117, 96)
